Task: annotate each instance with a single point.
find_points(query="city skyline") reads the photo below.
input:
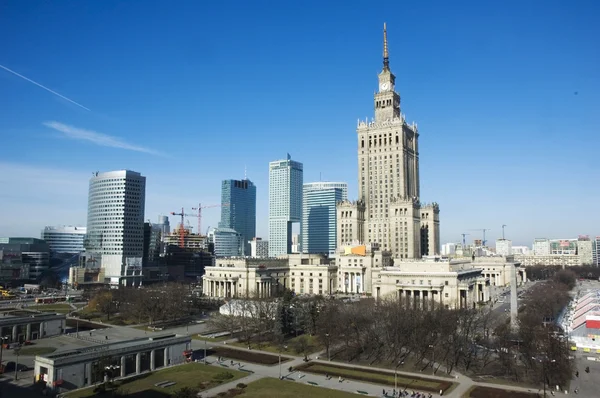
(487, 125)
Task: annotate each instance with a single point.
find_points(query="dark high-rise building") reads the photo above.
(35, 253)
(238, 210)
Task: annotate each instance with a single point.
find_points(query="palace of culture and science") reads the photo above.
(389, 211)
(388, 242)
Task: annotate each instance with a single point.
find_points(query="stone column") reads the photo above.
(14, 333)
(123, 366)
(152, 360)
(41, 330)
(138, 363)
(166, 357)
(88, 373)
(28, 332)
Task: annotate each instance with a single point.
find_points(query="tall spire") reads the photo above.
(386, 59)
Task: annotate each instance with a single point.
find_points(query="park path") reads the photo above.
(261, 371)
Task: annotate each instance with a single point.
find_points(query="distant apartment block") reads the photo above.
(238, 209)
(504, 247)
(66, 239)
(541, 247)
(448, 249)
(259, 248)
(585, 250)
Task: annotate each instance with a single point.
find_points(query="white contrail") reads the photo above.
(45, 88)
(100, 139)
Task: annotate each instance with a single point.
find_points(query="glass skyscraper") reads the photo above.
(285, 203)
(238, 210)
(319, 217)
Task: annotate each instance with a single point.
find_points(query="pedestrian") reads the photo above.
(340, 379)
(384, 392)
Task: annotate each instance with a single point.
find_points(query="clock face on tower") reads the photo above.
(384, 86)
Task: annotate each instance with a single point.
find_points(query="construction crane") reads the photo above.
(199, 215)
(483, 242)
(464, 240)
(181, 227)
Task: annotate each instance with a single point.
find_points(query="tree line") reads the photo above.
(389, 332)
(152, 305)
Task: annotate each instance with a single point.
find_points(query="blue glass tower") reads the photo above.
(319, 216)
(238, 210)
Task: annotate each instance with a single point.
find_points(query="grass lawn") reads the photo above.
(60, 308)
(313, 345)
(270, 387)
(31, 351)
(192, 375)
(377, 377)
(488, 392)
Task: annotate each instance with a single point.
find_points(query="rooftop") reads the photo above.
(7, 320)
(120, 347)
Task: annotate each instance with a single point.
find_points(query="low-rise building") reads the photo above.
(33, 327)
(362, 269)
(87, 366)
(498, 269)
(82, 276)
(242, 277)
(562, 260)
(430, 282)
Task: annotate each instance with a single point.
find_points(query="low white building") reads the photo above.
(526, 250)
(69, 370)
(32, 327)
(448, 249)
(562, 260)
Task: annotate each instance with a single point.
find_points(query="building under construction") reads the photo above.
(186, 262)
(190, 240)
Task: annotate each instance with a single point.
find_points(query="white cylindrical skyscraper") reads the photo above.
(115, 224)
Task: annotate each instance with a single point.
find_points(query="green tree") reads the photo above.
(103, 302)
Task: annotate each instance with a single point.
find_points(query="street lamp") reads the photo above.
(432, 358)
(328, 352)
(16, 351)
(543, 362)
(396, 375)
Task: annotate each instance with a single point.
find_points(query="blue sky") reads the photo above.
(506, 96)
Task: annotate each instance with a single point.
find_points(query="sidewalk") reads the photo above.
(260, 371)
